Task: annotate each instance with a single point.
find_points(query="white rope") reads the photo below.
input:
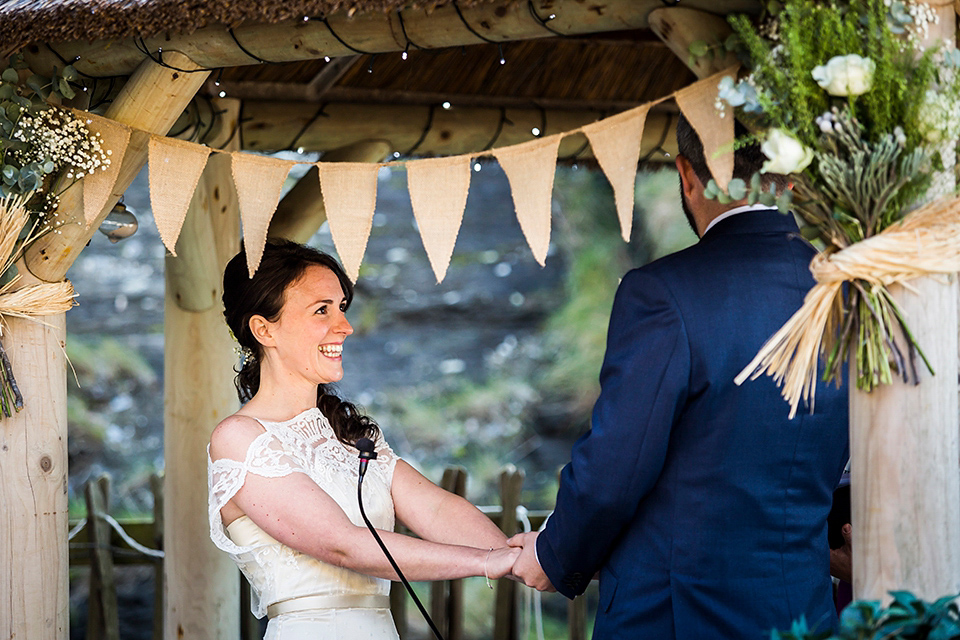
(116, 526)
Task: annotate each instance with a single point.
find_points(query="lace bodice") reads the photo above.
(304, 444)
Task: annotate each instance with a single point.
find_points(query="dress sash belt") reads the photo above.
(311, 603)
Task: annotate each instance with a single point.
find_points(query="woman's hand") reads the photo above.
(499, 562)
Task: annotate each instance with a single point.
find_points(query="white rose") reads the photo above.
(850, 75)
(786, 154)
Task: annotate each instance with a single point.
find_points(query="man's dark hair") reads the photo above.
(747, 160)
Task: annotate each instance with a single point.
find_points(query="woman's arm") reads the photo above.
(438, 515)
(298, 513)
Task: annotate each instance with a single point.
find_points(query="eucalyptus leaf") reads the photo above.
(9, 274)
(10, 173)
(698, 48)
(65, 89)
(23, 102)
(10, 75)
(70, 74)
(6, 91)
(784, 201)
(36, 82)
(29, 181)
(768, 199)
(48, 166)
(737, 189)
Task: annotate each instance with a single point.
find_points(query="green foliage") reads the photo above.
(906, 617)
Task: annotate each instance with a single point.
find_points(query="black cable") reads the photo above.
(141, 45)
(474, 32)
(543, 23)
(339, 39)
(496, 134)
(393, 562)
(309, 123)
(576, 154)
(543, 122)
(245, 50)
(426, 130)
(403, 29)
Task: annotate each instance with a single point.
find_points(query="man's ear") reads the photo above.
(688, 178)
(261, 329)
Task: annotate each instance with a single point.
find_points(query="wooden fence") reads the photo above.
(103, 543)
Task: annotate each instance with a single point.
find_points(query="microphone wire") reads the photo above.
(393, 563)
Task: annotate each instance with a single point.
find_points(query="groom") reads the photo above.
(702, 507)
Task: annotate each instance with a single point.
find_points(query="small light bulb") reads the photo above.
(535, 131)
(306, 18)
(476, 166)
(552, 16)
(222, 94)
(446, 105)
(326, 58)
(216, 83)
(503, 61)
(300, 150)
(396, 154)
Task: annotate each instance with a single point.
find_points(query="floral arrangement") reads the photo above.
(844, 98)
(43, 148)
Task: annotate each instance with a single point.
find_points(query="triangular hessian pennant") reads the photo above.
(438, 192)
(616, 146)
(350, 197)
(175, 169)
(98, 186)
(530, 168)
(698, 103)
(259, 181)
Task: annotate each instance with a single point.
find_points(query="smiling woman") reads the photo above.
(284, 473)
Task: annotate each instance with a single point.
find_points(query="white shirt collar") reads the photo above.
(735, 211)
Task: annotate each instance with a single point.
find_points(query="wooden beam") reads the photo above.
(203, 591)
(33, 485)
(313, 91)
(678, 27)
(905, 445)
(151, 101)
(301, 211)
(372, 32)
(271, 126)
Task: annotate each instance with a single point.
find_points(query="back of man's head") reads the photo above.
(747, 160)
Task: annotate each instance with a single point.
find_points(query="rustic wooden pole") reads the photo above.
(103, 622)
(678, 27)
(506, 611)
(271, 126)
(446, 596)
(151, 101)
(33, 486)
(374, 31)
(202, 598)
(301, 211)
(905, 482)
(156, 487)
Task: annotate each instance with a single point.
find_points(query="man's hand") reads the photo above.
(841, 560)
(527, 568)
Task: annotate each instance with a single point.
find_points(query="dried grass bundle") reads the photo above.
(925, 242)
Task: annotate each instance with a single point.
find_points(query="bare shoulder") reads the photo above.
(232, 437)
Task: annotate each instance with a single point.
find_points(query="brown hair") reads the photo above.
(282, 264)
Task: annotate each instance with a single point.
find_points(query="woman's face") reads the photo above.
(311, 328)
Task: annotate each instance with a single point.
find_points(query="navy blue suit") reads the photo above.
(703, 508)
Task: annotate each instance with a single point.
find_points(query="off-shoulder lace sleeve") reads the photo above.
(265, 457)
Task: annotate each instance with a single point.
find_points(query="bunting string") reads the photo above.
(438, 187)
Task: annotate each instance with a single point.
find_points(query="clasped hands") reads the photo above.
(518, 561)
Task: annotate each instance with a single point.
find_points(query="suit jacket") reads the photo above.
(703, 507)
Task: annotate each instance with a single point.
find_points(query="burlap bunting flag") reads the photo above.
(616, 146)
(259, 181)
(350, 197)
(98, 186)
(530, 168)
(175, 169)
(698, 103)
(438, 192)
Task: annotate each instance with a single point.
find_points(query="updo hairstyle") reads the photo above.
(282, 264)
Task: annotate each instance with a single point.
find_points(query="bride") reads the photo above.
(283, 469)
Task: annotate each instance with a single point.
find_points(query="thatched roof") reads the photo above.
(25, 21)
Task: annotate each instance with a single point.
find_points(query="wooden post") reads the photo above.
(446, 596)
(156, 486)
(506, 612)
(301, 212)
(678, 27)
(33, 486)
(905, 483)
(103, 622)
(202, 592)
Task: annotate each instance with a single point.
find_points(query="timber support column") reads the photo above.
(33, 486)
(202, 582)
(905, 487)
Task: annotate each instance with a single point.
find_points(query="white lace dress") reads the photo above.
(307, 598)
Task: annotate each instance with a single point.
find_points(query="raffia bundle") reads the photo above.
(926, 242)
(33, 300)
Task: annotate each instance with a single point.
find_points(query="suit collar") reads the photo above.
(756, 221)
